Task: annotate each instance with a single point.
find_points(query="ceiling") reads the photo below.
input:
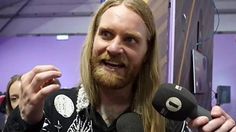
(226, 6)
(22, 17)
(225, 19)
(37, 17)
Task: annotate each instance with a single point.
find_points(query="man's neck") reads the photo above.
(114, 102)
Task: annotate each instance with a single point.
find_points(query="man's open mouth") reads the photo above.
(113, 64)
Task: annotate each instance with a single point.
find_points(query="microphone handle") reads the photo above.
(200, 111)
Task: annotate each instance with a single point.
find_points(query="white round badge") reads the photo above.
(64, 105)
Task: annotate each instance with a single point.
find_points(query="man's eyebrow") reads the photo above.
(105, 28)
(134, 34)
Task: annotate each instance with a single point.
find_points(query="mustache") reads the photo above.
(117, 59)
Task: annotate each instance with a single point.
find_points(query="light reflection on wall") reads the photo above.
(224, 65)
(20, 54)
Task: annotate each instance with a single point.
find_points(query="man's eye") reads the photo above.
(106, 35)
(130, 40)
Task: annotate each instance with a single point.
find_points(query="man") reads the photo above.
(119, 71)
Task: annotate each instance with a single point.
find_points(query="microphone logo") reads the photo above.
(173, 104)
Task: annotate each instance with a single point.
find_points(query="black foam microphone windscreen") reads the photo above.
(129, 122)
(177, 103)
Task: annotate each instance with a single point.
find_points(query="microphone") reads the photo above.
(177, 103)
(129, 122)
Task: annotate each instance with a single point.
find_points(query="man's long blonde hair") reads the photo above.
(148, 78)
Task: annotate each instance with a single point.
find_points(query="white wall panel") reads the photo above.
(41, 26)
(227, 23)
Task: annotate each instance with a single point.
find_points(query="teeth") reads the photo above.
(112, 63)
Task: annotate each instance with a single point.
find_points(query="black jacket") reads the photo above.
(66, 111)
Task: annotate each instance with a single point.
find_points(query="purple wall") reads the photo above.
(224, 64)
(20, 54)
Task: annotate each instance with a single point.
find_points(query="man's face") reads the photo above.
(119, 47)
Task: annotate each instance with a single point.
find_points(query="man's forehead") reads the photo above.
(118, 10)
(121, 13)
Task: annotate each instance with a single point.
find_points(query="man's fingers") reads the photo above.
(43, 93)
(28, 77)
(199, 121)
(43, 79)
(214, 124)
(227, 126)
(233, 129)
(221, 122)
(36, 85)
(217, 111)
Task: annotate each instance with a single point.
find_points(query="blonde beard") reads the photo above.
(109, 79)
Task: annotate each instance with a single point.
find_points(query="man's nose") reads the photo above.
(115, 47)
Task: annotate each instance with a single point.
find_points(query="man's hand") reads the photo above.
(36, 85)
(221, 122)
